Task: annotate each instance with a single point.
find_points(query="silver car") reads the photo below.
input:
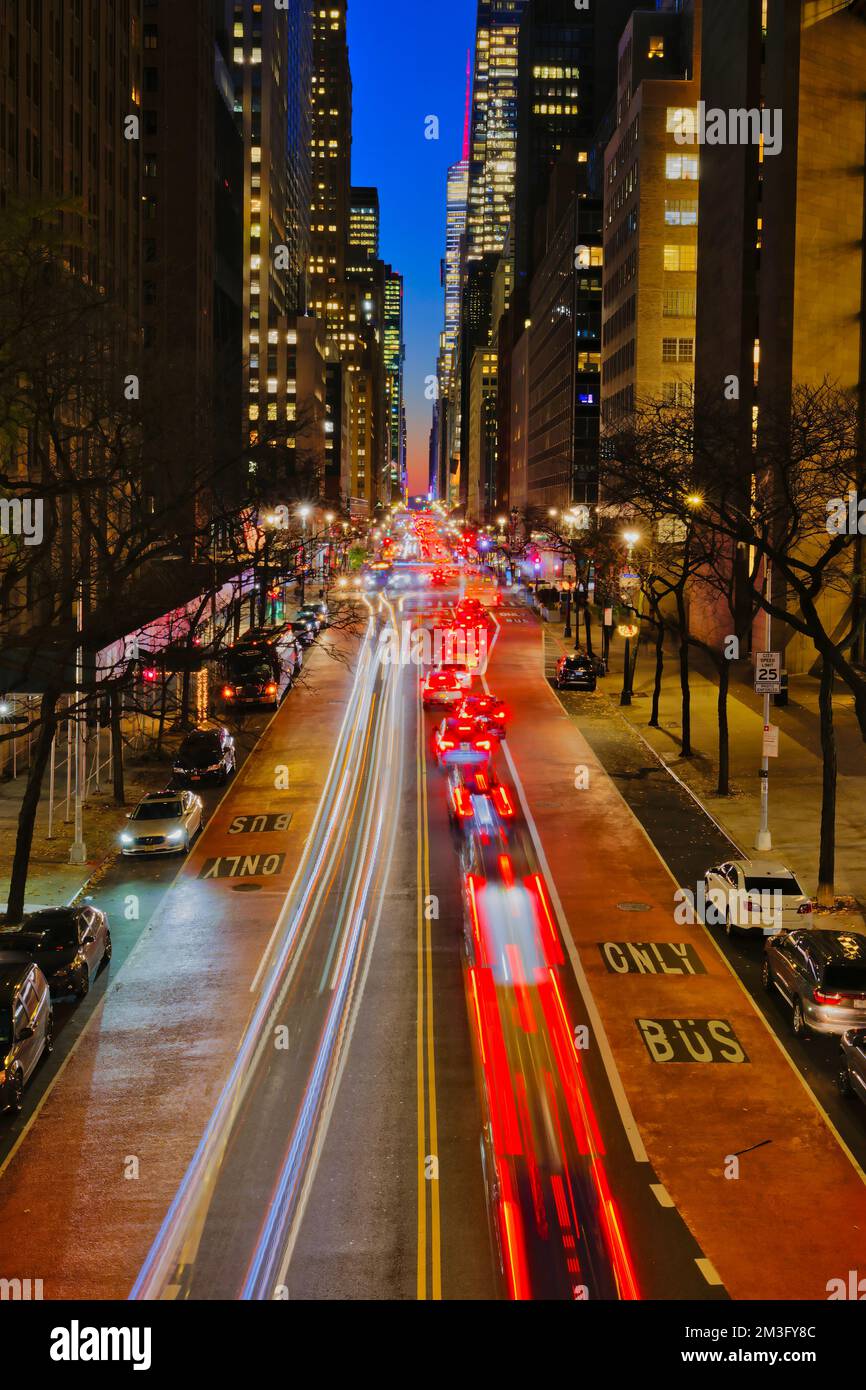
(163, 823)
(821, 975)
(26, 1025)
(851, 1075)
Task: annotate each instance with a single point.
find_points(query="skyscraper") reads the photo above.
(259, 54)
(363, 226)
(493, 144)
(299, 173)
(394, 352)
(331, 146)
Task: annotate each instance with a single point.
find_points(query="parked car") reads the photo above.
(758, 895)
(206, 755)
(822, 975)
(851, 1076)
(163, 823)
(305, 627)
(320, 608)
(253, 677)
(26, 1025)
(576, 673)
(69, 944)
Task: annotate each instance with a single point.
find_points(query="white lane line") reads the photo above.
(626, 1116)
(661, 1194)
(709, 1271)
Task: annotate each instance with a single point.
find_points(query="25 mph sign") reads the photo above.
(768, 673)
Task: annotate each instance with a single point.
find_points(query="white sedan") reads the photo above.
(163, 823)
(755, 895)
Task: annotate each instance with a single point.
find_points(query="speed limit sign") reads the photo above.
(768, 673)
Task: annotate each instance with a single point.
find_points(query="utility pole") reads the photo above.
(78, 849)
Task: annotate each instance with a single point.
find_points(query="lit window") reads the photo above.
(681, 166)
(656, 48)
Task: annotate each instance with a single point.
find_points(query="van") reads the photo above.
(26, 1025)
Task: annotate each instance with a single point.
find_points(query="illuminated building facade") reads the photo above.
(394, 354)
(331, 148)
(651, 219)
(493, 143)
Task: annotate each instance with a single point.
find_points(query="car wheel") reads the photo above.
(767, 976)
(106, 955)
(83, 988)
(16, 1105)
(843, 1076)
(799, 1020)
(49, 1033)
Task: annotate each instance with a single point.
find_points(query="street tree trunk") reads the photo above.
(724, 784)
(684, 676)
(587, 625)
(116, 699)
(660, 670)
(827, 853)
(30, 806)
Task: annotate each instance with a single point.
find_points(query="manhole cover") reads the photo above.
(247, 888)
(635, 907)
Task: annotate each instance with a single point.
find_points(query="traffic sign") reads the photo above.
(768, 673)
(771, 741)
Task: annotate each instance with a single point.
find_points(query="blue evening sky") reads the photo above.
(409, 62)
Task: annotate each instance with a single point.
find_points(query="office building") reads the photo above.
(650, 219)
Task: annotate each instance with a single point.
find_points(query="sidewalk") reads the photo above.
(795, 776)
(52, 880)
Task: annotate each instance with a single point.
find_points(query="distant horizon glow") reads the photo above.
(408, 65)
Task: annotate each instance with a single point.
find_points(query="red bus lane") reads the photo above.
(738, 1143)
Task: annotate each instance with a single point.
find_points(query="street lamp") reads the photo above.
(628, 631)
(304, 514)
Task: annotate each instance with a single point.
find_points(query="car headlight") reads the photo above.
(126, 838)
(174, 836)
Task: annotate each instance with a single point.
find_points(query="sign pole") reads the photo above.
(764, 840)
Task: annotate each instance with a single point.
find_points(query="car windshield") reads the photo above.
(5, 1027)
(200, 743)
(846, 978)
(760, 883)
(157, 810)
(251, 665)
(61, 926)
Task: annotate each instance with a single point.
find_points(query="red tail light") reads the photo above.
(228, 693)
(271, 690)
(821, 998)
(462, 803)
(483, 744)
(804, 909)
(502, 802)
(507, 870)
(446, 743)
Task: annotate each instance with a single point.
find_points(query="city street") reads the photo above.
(333, 1144)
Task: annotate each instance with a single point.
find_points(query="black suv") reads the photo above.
(576, 673)
(206, 755)
(69, 944)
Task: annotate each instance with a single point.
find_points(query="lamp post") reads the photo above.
(78, 849)
(631, 538)
(303, 513)
(628, 631)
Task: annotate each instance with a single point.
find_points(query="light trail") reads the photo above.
(368, 782)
